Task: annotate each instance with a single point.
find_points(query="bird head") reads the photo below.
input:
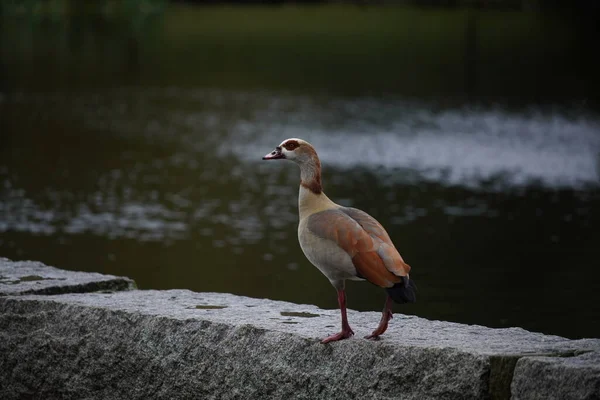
(293, 149)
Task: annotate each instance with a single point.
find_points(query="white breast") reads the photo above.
(326, 255)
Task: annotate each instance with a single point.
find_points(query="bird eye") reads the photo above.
(291, 145)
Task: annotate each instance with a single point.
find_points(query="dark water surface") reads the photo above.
(497, 209)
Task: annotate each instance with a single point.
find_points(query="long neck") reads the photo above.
(310, 174)
(311, 198)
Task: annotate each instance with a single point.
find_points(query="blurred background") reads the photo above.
(132, 131)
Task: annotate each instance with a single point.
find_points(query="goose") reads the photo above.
(343, 242)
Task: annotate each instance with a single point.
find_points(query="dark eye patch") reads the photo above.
(291, 145)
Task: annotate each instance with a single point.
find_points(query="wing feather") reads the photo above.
(387, 251)
(366, 242)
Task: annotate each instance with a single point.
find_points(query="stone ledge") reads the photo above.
(576, 377)
(180, 344)
(32, 277)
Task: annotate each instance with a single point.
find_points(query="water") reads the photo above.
(495, 207)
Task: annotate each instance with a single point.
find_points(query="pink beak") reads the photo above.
(276, 154)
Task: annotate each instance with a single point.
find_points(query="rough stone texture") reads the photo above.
(180, 344)
(549, 378)
(32, 277)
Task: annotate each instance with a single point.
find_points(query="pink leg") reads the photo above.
(346, 330)
(385, 317)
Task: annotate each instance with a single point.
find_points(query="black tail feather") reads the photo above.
(403, 292)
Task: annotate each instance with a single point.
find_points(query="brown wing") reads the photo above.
(368, 223)
(387, 251)
(364, 239)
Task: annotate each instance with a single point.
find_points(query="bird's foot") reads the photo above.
(344, 334)
(383, 324)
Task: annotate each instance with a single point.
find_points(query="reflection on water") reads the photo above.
(169, 171)
(467, 147)
(496, 210)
